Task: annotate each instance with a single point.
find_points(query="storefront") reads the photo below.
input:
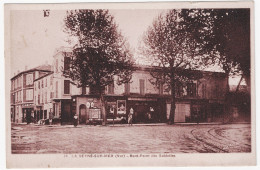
(147, 110)
(28, 113)
(87, 107)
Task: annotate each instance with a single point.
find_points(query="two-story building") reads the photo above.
(202, 98)
(22, 92)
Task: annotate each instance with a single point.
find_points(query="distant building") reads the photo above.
(22, 92)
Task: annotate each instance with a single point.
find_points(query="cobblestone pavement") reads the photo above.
(131, 139)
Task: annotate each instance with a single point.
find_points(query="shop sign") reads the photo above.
(95, 113)
(121, 107)
(88, 105)
(142, 99)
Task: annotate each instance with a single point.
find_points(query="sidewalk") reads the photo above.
(138, 124)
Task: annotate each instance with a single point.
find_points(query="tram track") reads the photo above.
(219, 143)
(206, 143)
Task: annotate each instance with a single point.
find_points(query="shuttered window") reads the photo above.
(84, 90)
(57, 89)
(204, 90)
(66, 63)
(141, 81)
(111, 88)
(127, 88)
(191, 89)
(66, 87)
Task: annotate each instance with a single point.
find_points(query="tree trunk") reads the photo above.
(248, 82)
(226, 101)
(172, 112)
(239, 84)
(103, 110)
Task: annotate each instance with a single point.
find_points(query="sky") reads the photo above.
(34, 38)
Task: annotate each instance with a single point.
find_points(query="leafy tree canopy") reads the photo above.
(226, 32)
(172, 48)
(101, 52)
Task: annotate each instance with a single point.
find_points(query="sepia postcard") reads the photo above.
(130, 84)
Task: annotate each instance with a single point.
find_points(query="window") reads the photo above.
(178, 90)
(161, 88)
(66, 87)
(42, 96)
(57, 89)
(29, 79)
(29, 94)
(66, 63)
(204, 90)
(127, 88)
(51, 95)
(45, 97)
(84, 90)
(39, 99)
(191, 89)
(51, 81)
(217, 91)
(20, 96)
(142, 88)
(39, 85)
(42, 83)
(95, 90)
(111, 88)
(46, 82)
(17, 97)
(15, 83)
(13, 99)
(56, 66)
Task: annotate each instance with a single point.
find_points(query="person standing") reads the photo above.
(130, 117)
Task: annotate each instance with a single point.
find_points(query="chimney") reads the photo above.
(46, 62)
(25, 68)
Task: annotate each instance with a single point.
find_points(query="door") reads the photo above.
(182, 111)
(66, 116)
(82, 113)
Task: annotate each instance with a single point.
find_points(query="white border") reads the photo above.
(2, 89)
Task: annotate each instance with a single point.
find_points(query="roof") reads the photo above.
(43, 68)
(44, 76)
(149, 68)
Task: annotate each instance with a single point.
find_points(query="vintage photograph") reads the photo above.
(135, 81)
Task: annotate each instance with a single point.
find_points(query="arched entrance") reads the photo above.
(82, 113)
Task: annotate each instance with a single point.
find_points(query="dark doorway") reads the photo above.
(66, 116)
(82, 114)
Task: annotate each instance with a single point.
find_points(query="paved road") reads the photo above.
(132, 139)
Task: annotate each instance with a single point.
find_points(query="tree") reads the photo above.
(226, 33)
(101, 54)
(175, 51)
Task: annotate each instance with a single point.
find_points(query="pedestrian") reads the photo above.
(50, 117)
(130, 117)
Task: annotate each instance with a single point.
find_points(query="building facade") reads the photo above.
(201, 100)
(47, 94)
(22, 92)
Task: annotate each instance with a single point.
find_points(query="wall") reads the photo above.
(135, 83)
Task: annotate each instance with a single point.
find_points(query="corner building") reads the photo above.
(22, 92)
